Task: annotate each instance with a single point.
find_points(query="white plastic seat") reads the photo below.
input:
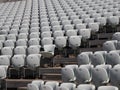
(5, 60)
(109, 45)
(68, 73)
(82, 75)
(60, 42)
(88, 20)
(34, 49)
(48, 50)
(21, 42)
(47, 41)
(2, 38)
(46, 34)
(50, 85)
(100, 76)
(113, 20)
(54, 23)
(80, 26)
(34, 41)
(108, 88)
(58, 33)
(97, 59)
(13, 31)
(11, 37)
(68, 27)
(85, 33)
(74, 41)
(34, 35)
(23, 36)
(83, 58)
(101, 20)
(116, 36)
(20, 50)
(3, 73)
(33, 61)
(35, 85)
(24, 30)
(113, 58)
(114, 76)
(66, 86)
(34, 29)
(18, 61)
(71, 33)
(85, 87)
(45, 28)
(94, 27)
(9, 43)
(7, 51)
(56, 28)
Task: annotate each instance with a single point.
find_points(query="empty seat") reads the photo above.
(7, 51)
(56, 28)
(58, 33)
(47, 41)
(109, 45)
(1, 44)
(77, 21)
(11, 37)
(24, 30)
(46, 34)
(116, 36)
(18, 62)
(50, 85)
(66, 86)
(97, 59)
(23, 36)
(2, 38)
(84, 58)
(9, 43)
(74, 41)
(88, 20)
(85, 33)
(80, 26)
(45, 28)
(107, 88)
(21, 42)
(5, 60)
(71, 33)
(85, 86)
(3, 73)
(68, 73)
(68, 27)
(20, 50)
(48, 50)
(34, 49)
(35, 85)
(100, 76)
(82, 75)
(34, 29)
(94, 27)
(114, 72)
(113, 58)
(13, 31)
(34, 35)
(107, 67)
(33, 62)
(34, 41)
(102, 21)
(60, 42)
(113, 20)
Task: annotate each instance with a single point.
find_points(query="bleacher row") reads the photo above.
(34, 32)
(54, 85)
